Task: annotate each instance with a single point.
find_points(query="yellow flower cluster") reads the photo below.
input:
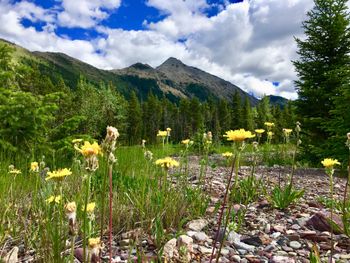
(227, 154)
(329, 163)
(94, 242)
(238, 135)
(259, 131)
(187, 141)
(59, 174)
(34, 167)
(287, 132)
(167, 162)
(162, 133)
(90, 207)
(269, 124)
(89, 149)
(53, 198)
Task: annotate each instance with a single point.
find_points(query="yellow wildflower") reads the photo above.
(89, 149)
(34, 167)
(269, 124)
(167, 162)
(90, 207)
(168, 129)
(259, 131)
(287, 132)
(53, 198)
(238, 135)
(227, 154)
(269, 134)
(59, 174)
(186, 142)
(15, 171)
(162, 133)
(94, 242)
(329, 163)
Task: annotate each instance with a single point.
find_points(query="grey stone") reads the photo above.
(197, 225)
(295, 244)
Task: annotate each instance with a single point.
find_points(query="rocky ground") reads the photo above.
(266, 235)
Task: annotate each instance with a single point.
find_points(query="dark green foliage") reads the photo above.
(134, 117)
(264, 112)
(283, 197)
(323, 71)
(236, 111)
(24, 119)
(248, 117)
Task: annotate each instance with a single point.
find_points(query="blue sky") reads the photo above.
(248, 42)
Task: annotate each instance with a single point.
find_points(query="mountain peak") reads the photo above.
(172, 62)
(141, 66)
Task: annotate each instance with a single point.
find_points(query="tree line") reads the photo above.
(38, 113)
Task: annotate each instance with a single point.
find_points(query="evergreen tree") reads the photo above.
(248, 120)
(264, 112)
(236, 111)
(134, 120)
(224, 115)
(323, 70)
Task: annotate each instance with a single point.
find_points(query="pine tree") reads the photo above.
(236, 111)
(264, 112)
(134, 120)
(323, 68)
(224, 115)
(248, 120)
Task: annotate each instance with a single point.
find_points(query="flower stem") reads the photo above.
(86, 200)
(110, 173)
(223, 208)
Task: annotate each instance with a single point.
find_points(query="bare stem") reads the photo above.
(223, 208)
(110, 172)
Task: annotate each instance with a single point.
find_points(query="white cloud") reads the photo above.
(85, 13)
(250, 43)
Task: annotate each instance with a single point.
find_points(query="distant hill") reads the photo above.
(277, 100)
(172, 79)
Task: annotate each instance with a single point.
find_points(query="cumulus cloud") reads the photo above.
(85, 13)
(249, 43)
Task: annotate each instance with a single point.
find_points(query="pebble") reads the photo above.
(197, 225)
(295, 244)
(200, 237)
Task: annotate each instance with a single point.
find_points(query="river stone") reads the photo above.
(197, 225)
(295, 244)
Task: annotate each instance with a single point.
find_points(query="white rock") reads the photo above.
(197, 225)
(170, 248)
(12, 256)
(185, 241)
(200, 236)
(205, 250)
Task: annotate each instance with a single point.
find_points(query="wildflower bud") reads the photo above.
(94, 249)
(348, 135)
(112, 133)
(71, 214)
(148, 155)
(209, 136)
(168, 130)
(143, 143)
(297, 128)
(255, 145)
(91, 163)
(111, 158)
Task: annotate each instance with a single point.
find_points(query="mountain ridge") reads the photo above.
(172, 79)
